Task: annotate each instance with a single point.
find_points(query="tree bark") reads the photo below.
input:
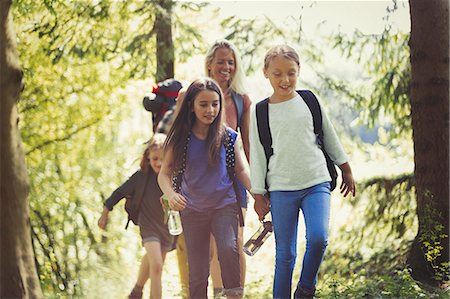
(18, 277)
(164, 45)
(429, 45)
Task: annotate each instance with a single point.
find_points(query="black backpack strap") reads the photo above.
(239, 105)
(262, 120)
(265, 136)
(177, 176)
(313, 105)
(230, 162)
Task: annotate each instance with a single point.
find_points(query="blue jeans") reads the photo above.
(197, 227)
(285, 206)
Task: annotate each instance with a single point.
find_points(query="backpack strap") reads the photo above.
(313, 105)
(239, 105)
(262, 119)
(265, 136)
(178, 174)
(230, 162)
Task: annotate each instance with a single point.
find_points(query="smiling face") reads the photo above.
(223, 66)
(155, 159)
(206, 107)
(282, 74)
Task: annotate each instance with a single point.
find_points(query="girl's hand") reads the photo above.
(164, 203)
(102, 221)
(348, 184)
(177, 202)
(262, 205)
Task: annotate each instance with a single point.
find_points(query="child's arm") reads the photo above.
(125, 190)
(333, 145)
(258, 163)
(245, 129)
(103, 220)
(176, 201)
(261, 201)
(336, 152)
(240, 169)
(258, 170)
(348, 184)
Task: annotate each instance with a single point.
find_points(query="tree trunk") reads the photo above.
(429, 98)
(164, 45)
(18, 278)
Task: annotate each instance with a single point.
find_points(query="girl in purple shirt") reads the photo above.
(206, 198)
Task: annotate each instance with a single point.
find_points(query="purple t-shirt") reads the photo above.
(205, 186)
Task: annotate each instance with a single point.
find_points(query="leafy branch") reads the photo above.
(63, 138)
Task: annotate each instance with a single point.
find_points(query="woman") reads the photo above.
(223, 64)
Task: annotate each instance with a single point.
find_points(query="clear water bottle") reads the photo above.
(258, 238)
(174, 223)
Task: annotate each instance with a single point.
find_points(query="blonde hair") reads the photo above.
(238, 81)
(284, 51)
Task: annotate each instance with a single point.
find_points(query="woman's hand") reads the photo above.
(177, 202)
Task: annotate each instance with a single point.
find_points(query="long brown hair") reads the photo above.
(185, 119)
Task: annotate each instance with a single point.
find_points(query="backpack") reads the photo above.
(162, 98)
(132, 212)
(262, 119)
(230, 162)
(133, 202)
(239, 104)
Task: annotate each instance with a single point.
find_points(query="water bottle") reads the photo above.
(174, 223)
(258, 238)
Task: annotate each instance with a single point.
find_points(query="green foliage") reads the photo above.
(71, 115)
(396, 284)
(368, 258)
(189, 41)
(382, 223)
(431, 236)
(381, 93)
(250, 36)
